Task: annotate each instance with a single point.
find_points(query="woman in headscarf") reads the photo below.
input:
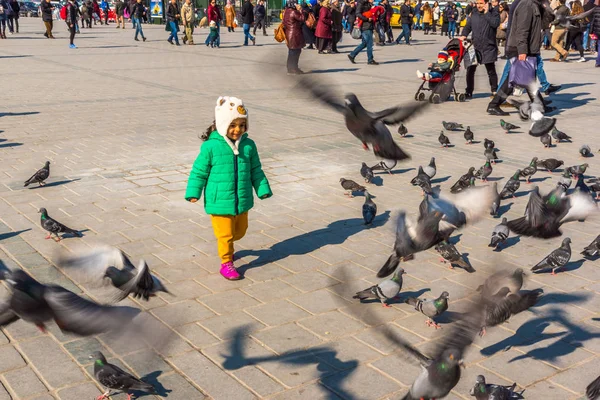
(229, 16)
(337, 28)
(293, 23)
(309, 33)
(323, 32)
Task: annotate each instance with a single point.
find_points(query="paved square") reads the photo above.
(119, 120)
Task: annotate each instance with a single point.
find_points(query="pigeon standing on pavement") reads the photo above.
(422, 180)
(507, 126)
(489, 144)
(593, 249)
(560, 136)
(499, 234)
(511, 186)
(549, 164)
(593, 390)
(484, 171)
(114, 378)
(385, 165)
(350, 186)
(366, 173)
(490, 391)
(546, 140)
(577, 170)
(450, 254)
(469, 136)
(585, 151)
(557, 259)
(430, 169)
(464, 181)
(452, 126)
(530, 170)
(443, 139)
(402, 129)
(54, 227)
(383, 291)
(430, 308)
(369, 209)
(490, 154)
(40, 176)
(496, 201)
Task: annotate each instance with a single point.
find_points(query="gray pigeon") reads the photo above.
(114, 378)
(464, 181)
(489, 144)
(530, 170)
(54, 227)
(366, 173)
(40, 176)
(469, 136)
(369, 209)
(513, 281)
(443, 139)
(593, 249)
(496, 201)
(402, 129)
(490, 391)
(593, 390)
(490, 155)
(422, 180)
(557, 259)
(549, 164)
(507, 126)
(585, 151)
(511, 186)
(546, 140)
(430, 308)
(484, 171)
(501, 306)
(450, 254)
(577, 170)
(109, 264)
(499, 234)
(595, 187)
(560, 136)
(385, 165)
(430, 169)
(383, 291)
(452, 126)
(565, 180)
(351, 187)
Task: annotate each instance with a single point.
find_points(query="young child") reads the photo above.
(213, 35)
(444, 63)
(227, 169)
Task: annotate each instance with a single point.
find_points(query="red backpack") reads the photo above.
(63, 13)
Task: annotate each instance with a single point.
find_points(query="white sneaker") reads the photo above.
(420, 75)
(582, 59)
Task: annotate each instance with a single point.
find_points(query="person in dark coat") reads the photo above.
(351, 15)
(247, 20)
(259, 17)
(483, 22)
(324, 32)
(173, 15)
(389, 11)
(71, 22)
(366, 33)
(293, 23)
(13, 16)
(47, 9)
(337, 28)
(595, 25)
(309, 33)
(405, 20)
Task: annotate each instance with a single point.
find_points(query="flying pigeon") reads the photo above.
(484, 171)
(114, 378)
(501, 306)
(40, 176)
(368, 127)
(534, 111)
(490, 391)
(369, 209)
(546, 140)
(351, 187)
(465, 181)
(549, 164)
(422, 180)
(489, 144)
(430, 308)
(366, 173)
(443, 139)
(585, 151)
(450, 254)
(530, 170)
(593, 249)
(496, 200)
(565, 180)
(577, 170)
(513, 281)
(105, 264)
(511, 186)
(499, 234)
(507, 126)
(557, 259)
(385, 165)
(469, 136)
(54, 227)
(430, 169)
(490, 154)
(593, 390)
(402, 129)
(560, 136)
(452, 126)
(383, 291)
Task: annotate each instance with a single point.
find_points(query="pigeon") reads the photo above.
(489, 144)
(40, 176)
(530, 170)
(402, 129)
(549, 164)
(565, 180)
(499, 234)
(593, 249)
(412, 238)
(351, 187)
(450, 254)
(443, 139)
(557, 259)
(464, 181)
(490, 155)
(383, 291)
(501, 306)
(585, 151)
(368, 127)
(484, 171)
(369, 209)
(366, 173)
(430, 308)
(593, 390)
(385, 165)
(511, 186)
(577, 170)
(496, 201)
(114, 378)
(581, 186)
(489, 391)
(105, 264)
(546, 140)
(422, 180)
(469, 136)
(430, 169)
(452, 126)
(513, 281)
(595, 187)
(507, 126)
(534, 111)
(560, 136)
(54, 227)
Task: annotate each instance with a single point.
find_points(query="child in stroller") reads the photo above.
(437, 69)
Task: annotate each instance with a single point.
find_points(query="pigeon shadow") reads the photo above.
(405, 60)
(16, 114)
(529, 333)
(105, 47)
(336, 232)
(511, 241)
(440, 180)
(377, 181)
(407, 136)
(401, 171)
(9, 235)
(534, 180)
(327, 71)
(73, 235)
(6, 145)
(416, 294)
(448, 146)
(3, 140)
(475, 142)
(588, 156)
(573, 265)
(504, 208)
(495, 178)
(567, 101)
(521, 194)
(57, 183)
(455, 239)
(152, 379)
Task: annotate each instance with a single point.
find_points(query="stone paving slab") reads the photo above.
(119, 120)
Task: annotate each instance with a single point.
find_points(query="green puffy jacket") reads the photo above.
(227, 179)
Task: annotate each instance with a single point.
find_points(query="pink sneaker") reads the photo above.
(229, 272)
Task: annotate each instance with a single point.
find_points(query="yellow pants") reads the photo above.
(228, 229)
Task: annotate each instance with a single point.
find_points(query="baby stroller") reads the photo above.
(442, 88)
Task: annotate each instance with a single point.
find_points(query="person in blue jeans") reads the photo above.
(452, 15)
(247, 19)
(419, 16)
(405, 20)
(137, 13)
(366, 33)
(173, 15)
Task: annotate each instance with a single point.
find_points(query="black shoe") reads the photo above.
(144, 39)
(552, 89)
(184, 40)
(351, 59)
(170, 41)
(496, 111)
(136, 39)
(373, 62)
(468, 95)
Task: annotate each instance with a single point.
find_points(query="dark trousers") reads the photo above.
(323, 44)
(105, 17)
(48, 25)
(491, 71)
(260, 21)
(13, 24)
(292, 60)
(381, 33)
(434, 25)
(389, 33)
(71, 33)
(336, 38)
(426, 27)
(575, 39)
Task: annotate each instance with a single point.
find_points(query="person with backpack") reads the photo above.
(71, 21)
(47, 9)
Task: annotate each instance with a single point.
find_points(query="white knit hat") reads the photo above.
(228, 109)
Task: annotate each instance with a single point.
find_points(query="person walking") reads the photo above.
(389, 12)
(260, 14)
(173, 15)
(89, 13)
(47, 10)
(13, 16)
(366, 33)
(436, 16)
(351, 15)
(104, 7)
(71, 22)
(324, 33)
(137, 14)
(483, 23)
(293, 23)
(247, 20)
(452, 15)
(559, 32)
(214, 14)
(427, 17)
(418, 15)
(576, 30)
(3, 18)
(120, 13)
(337, 28)
(187, 19)
(595, 28)
(405, 19)
(229, 16)
(96, 11)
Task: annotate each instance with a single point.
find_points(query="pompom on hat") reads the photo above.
(227, 110)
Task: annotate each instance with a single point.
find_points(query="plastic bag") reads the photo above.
(522, 73)
(356, 33)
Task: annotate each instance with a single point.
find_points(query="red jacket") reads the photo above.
(292, 25)
(324, 24)
(214, 14)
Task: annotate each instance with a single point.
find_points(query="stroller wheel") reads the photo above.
(435, 98)
(417, 96)
(421, 96)
(460, 97)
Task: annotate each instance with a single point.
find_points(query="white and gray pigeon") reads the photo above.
(369, 209)
(490, 391)
(593, 249)
(430, 169)
(40, 176)
(383, 291)
(585, 151)
(557, 259)
(499, 234)
(430, 308)
(534, 111)
(496, 201)
(452, 126)
(385, 165)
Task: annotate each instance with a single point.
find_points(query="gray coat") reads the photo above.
(484, 28)
(525, 34)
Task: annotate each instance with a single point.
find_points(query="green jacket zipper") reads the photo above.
(235, 182)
